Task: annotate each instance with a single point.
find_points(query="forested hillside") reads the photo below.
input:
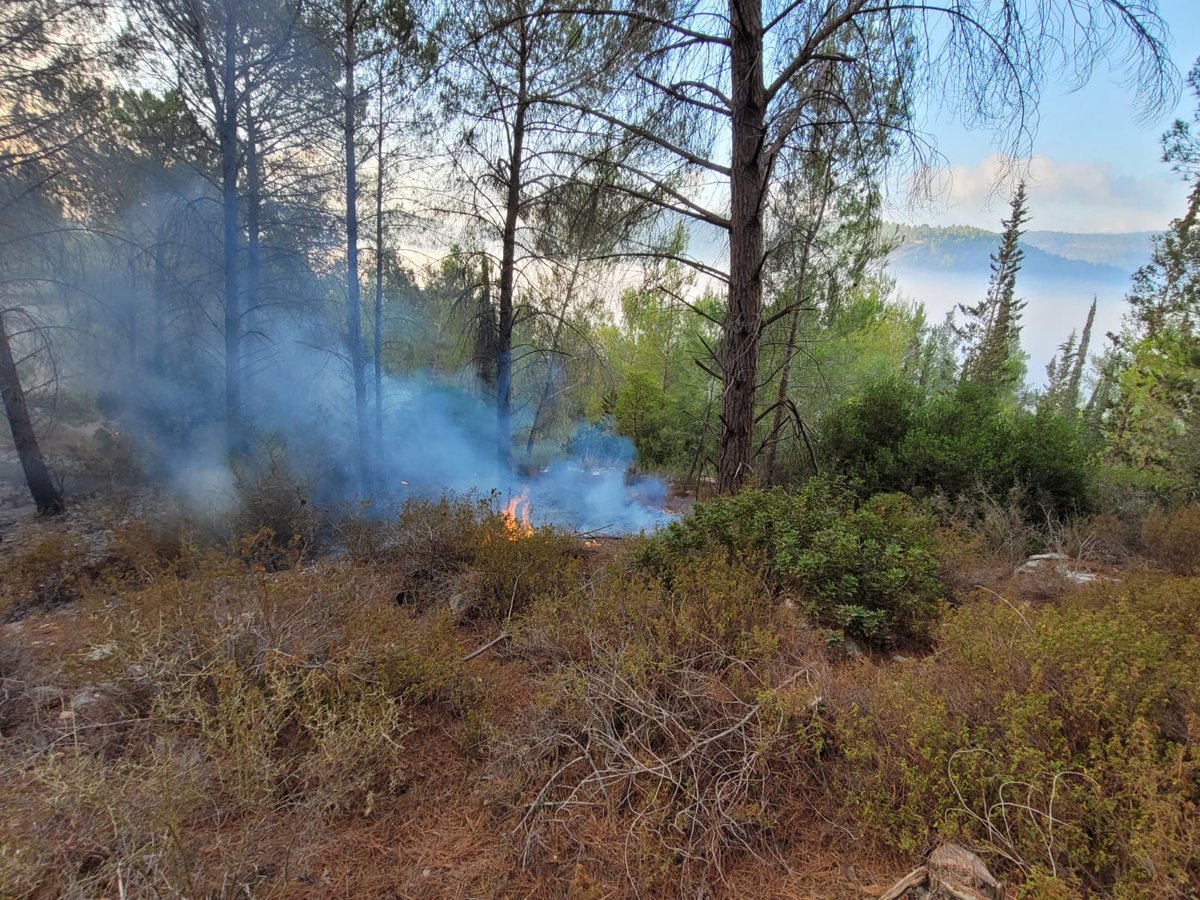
(493, 449)
(1048, 254)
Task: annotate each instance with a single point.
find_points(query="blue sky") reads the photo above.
(1097, 159)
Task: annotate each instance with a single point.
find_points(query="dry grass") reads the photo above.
(217, 725)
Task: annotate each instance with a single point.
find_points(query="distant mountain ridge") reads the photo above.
(1061, 273)
(1049, 255)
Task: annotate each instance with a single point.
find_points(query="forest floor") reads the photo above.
(183, 716)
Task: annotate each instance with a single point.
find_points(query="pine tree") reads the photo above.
(1152, 420)
(1058, 373)
(484, 328)
(1064, 374)
(1071, 398)
(992, 331)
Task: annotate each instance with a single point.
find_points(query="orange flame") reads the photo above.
(516, 517)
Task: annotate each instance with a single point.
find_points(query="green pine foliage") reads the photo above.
(993, 329)
(892, 439)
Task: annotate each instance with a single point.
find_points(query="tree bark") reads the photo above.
(46, 494)
(253, 223)
(512, 210)
(353, 297)
(378, 350)
(159, 286)
(227, 139)
(743, 318)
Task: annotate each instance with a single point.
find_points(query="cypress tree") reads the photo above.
(993, 328)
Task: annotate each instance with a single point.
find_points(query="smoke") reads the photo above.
(137, 308)
(438, 437)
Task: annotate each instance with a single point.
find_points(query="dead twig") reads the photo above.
(488, 646)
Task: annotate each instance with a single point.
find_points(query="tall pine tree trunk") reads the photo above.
(46, 494)
(353, 297)
(253, 322)
(378, 349)
(512, 211)
(743, 318)
(227, 140)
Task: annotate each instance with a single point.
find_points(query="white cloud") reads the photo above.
(1064, 195)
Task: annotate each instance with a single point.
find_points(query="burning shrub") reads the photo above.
(513, 573)
(864, 566)
(484, 560)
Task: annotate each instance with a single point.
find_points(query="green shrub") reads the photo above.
(888, 439)
(862, 564)
(864, 435)
(1063, 738)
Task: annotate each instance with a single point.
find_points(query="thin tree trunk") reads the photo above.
(545, 395)
(785, 376)
(485, 335)
(253, 224)
(378, 354)
(512, 209)
(353, 299)
(46, 494)
(160, 300)
(230, 233)
(743, 318)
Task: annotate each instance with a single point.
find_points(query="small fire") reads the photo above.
(516, 517)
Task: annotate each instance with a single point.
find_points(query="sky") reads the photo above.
(1097, 163)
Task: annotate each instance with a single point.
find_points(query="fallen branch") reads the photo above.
(911, 880)
(492, 643)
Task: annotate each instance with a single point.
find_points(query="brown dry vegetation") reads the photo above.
(186, 717)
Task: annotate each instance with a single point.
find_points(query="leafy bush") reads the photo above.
(1063, 738)
(864, 435)
(861, 565)
(888, 439)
